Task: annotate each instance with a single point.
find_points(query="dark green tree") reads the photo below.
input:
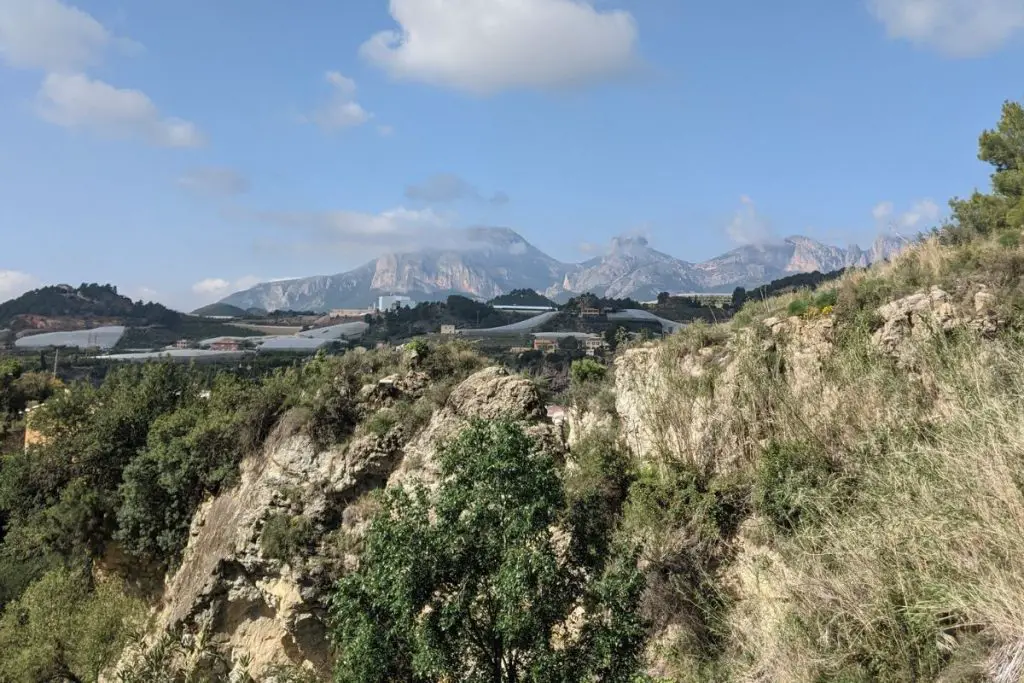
(739, 297)
(569, 344)
(481, 582)
(1003, 148)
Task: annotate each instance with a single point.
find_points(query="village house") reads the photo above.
(449, 330)
(590, 312)
(594, 344)
(545, 345)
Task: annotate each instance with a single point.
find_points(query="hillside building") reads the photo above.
(590, 312)
(449, 330)
(545, 344)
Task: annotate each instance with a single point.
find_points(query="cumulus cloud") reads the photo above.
(957, 28)
(64, 41)
(211, 285)
(342, 110)
(748, 226)
(50, 35)
(360, 235)
(217, 182)
(218, 287)
(922, 215)
(77, 101)
(14, 283)
(442, 188)
(485, 46)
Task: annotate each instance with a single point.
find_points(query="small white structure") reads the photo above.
(392, 301)
(449, 330)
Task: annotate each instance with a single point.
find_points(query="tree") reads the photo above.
(586, 370)
(479, 583)
(60, 630)
(569, 344)
(1003, 148)
(663, 298)
(739, 297)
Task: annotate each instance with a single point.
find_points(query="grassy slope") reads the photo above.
(879, 533)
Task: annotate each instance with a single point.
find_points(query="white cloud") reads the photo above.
(218, 182)
(922, 215)
(342, 111)
(882, 211)
(442, 188)
(748, 226)
(484, 46)
(958, 28)
(385, 131)
(358, 234)
(216, 288)
(14, 283)
(50, 35)
(77, 101)
(212, 285)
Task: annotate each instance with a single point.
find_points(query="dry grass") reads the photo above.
(917, 571)
(925, 570)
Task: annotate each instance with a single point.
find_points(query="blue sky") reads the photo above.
(183, 150)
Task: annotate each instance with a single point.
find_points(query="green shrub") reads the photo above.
(61, 629)
(587, 370)
(1010, 240)
(798, 307)
(791, 481)
(286, 537)
(448, 586)
(381, 422)
(827, 298)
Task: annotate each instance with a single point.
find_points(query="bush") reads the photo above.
(413, 609)
(792, 480)
(60, 629)
(826, 299)
(286, 537)
(798, 307)
(587, 370)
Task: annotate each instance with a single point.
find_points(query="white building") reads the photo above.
(391, 301)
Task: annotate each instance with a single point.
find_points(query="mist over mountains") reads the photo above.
(492, 261)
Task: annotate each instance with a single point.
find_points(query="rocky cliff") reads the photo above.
(236, 602)
(493, 261)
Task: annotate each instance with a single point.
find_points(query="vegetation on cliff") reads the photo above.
(827, 488)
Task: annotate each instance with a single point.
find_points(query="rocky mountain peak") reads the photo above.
(486, 261)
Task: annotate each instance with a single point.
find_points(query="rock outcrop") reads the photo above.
(231, 602)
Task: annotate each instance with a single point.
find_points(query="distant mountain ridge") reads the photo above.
(494, 261)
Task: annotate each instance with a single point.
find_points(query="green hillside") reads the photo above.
(522, 297)
(221, 311)
(85, 302)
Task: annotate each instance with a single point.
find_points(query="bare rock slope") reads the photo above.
(230, 603)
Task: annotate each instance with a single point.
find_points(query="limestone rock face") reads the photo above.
(922, 314)
(243, 605)
(491, 394)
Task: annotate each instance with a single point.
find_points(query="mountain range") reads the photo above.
(493, 261)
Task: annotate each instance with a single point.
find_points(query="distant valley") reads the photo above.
(497, 260)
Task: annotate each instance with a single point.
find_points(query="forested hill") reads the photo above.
(522, 297)
(84, 302)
